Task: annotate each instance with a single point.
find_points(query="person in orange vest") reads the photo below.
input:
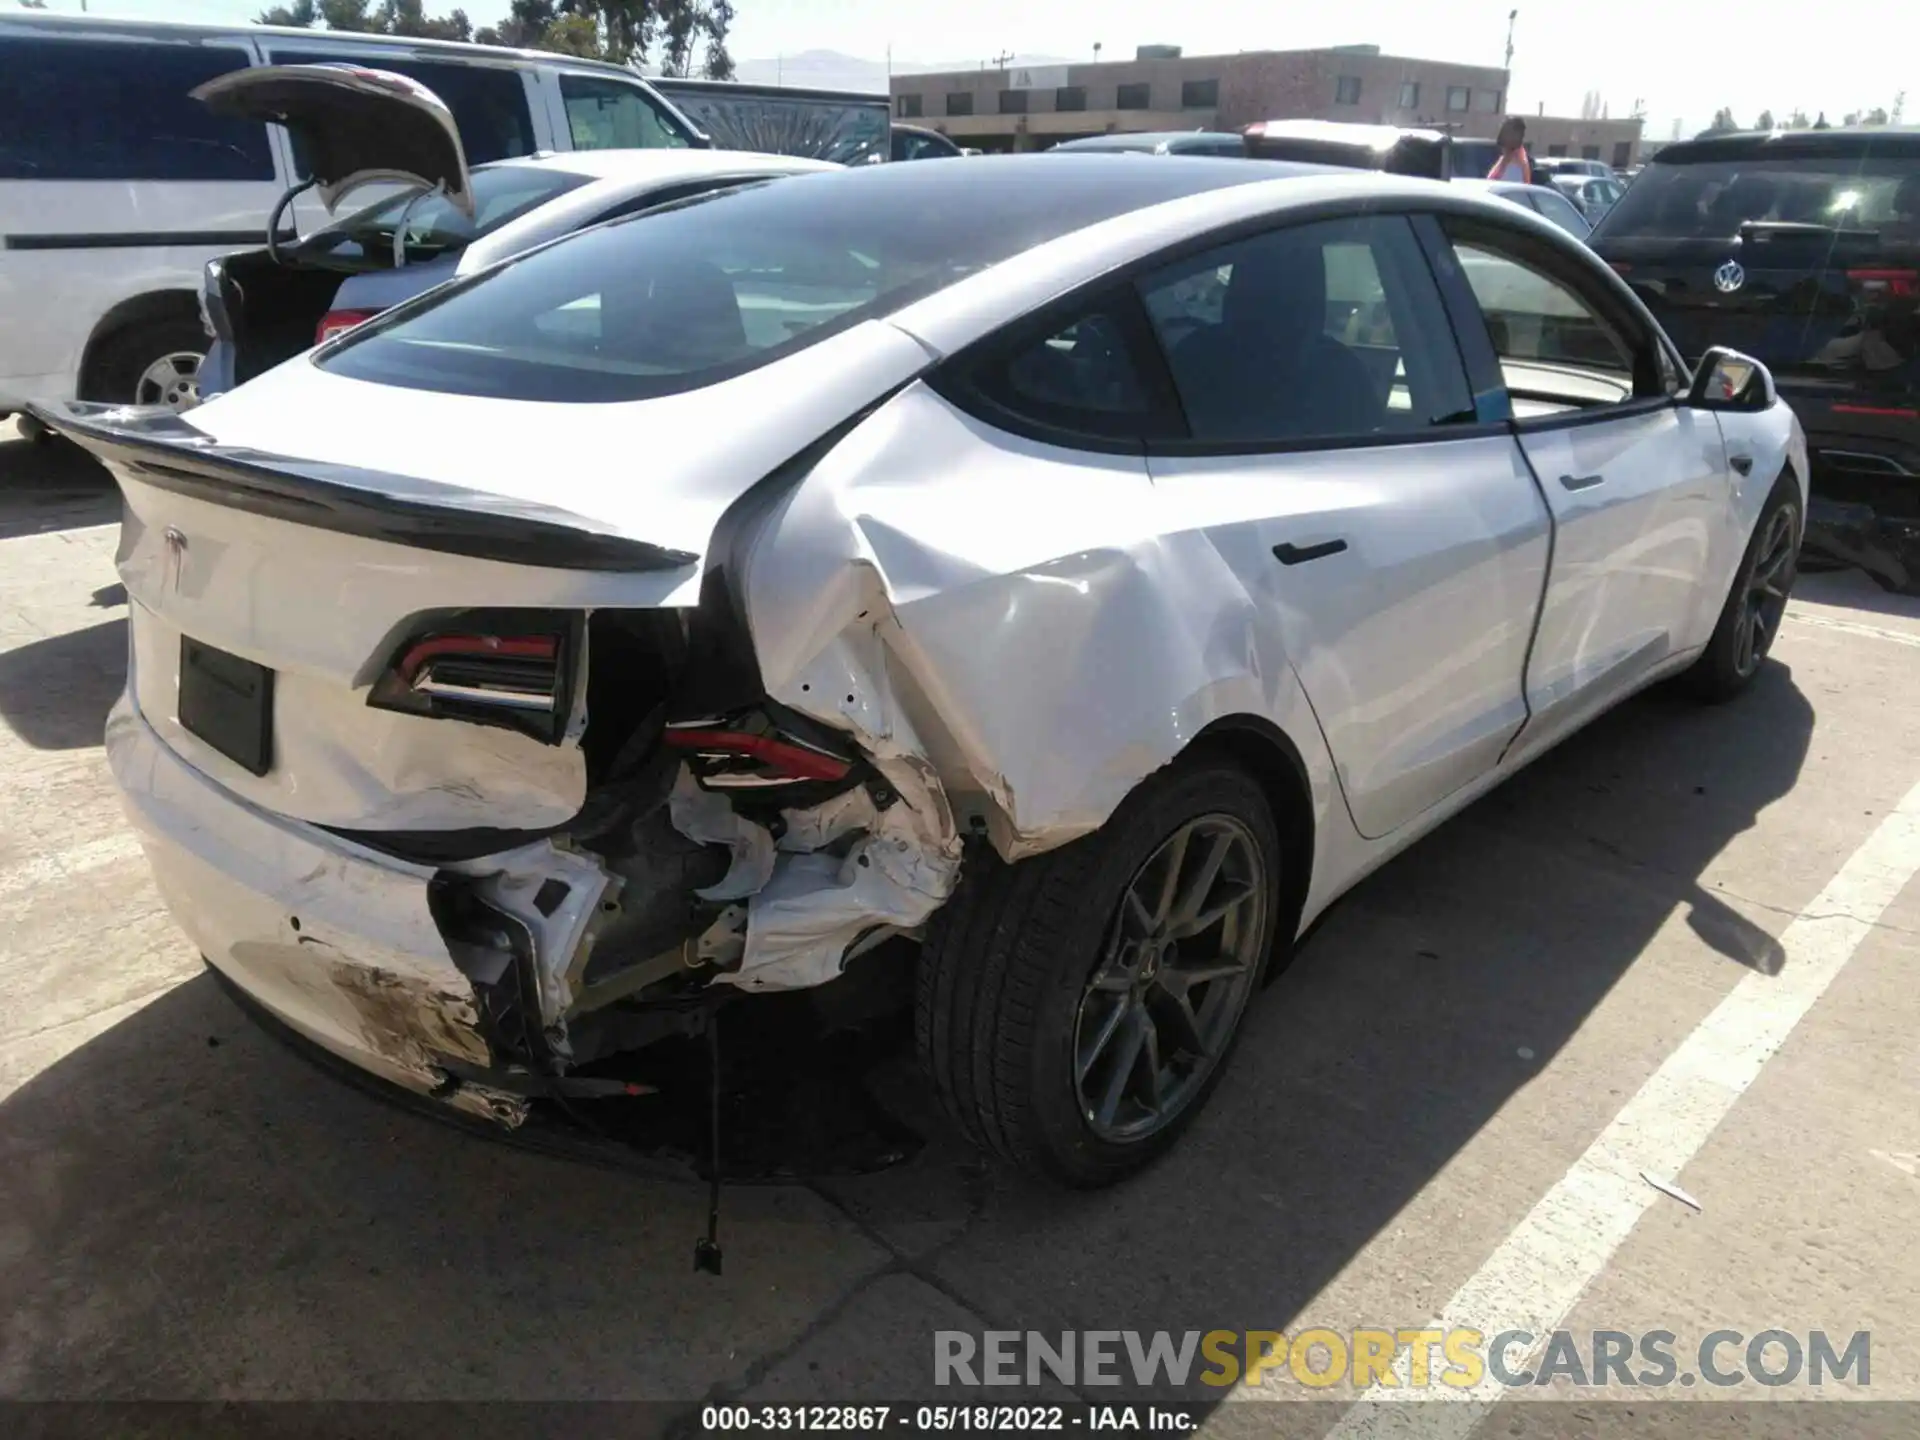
(1513, 163)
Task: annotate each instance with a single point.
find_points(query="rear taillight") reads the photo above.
(1904, 284)
(517, 679)
(754, 752)
(338, 322)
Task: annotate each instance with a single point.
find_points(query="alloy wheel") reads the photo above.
(172, 380)
(1179, 963)
(1765, 600)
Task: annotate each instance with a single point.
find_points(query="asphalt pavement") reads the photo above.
(1627, 1046)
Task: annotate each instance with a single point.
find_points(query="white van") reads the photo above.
(116, 188)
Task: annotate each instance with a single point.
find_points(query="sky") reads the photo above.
(1684, 60)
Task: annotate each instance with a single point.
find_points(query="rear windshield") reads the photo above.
(1712, 199)
(433, 224)
(676, 299)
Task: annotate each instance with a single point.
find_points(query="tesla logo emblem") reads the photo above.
(176, 555)
(1729, 277)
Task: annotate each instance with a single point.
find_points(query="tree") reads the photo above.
(1722, 121)
(1799, 121)
(623, 31)
(1899, 108)
(1764, 121)
(392, 17)
(1821, 122)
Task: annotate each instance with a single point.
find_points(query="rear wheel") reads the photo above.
(1075, 1010)
(156, 362)
(1750, 619)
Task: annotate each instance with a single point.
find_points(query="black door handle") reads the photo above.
(1581, 482)
(1300, 554)
(1742, 464)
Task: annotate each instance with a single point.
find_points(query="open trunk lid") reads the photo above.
(351, 125)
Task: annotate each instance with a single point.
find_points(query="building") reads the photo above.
(1030, 108)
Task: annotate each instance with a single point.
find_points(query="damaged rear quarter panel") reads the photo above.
(1027, 623)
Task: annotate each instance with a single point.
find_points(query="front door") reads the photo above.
(1637, 483)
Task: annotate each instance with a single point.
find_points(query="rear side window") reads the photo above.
(609, 115)
(99, 110)
(1313, 332)
(1712, 199)
(1080, 375)
(1556, 353)
(489, 103)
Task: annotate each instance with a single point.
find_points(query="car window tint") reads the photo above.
(489, 102)
(1561, 211)
(1555, 352)
(607, 114)
(1081, 375)
(100, 110)
(1323, 331)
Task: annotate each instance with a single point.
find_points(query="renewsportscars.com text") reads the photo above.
(1419, 1358)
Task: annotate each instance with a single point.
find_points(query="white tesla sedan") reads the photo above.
(1089, 569)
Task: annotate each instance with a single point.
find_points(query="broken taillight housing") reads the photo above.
(762, 750)
(516, 676)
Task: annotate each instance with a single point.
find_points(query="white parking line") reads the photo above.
(67, 864)
(1854, 627)
(1541, 1270)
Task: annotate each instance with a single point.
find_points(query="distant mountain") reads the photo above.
(831, 70)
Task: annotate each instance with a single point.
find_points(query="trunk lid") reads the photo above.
(351, 125)
(316, 527)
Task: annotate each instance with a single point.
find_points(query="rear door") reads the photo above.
(1637, 483)
(1393, 545)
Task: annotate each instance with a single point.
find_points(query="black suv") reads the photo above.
(1802, 248)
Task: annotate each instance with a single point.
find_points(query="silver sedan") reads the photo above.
(1062, 576)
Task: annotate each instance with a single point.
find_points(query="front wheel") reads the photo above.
(1750, 620)
(1076, 1009)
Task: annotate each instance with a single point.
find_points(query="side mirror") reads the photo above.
(1728, 380)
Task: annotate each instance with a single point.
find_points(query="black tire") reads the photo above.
(114, 371)
(1727, 666)
(1908, 586)
(1009, 968)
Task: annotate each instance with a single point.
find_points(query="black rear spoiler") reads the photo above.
(158, 448)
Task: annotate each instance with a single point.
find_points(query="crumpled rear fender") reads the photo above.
(1026, 624)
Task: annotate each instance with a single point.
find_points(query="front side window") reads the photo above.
(1556, 352)
(606, 114)
(1325, 331)
(489, 102)
(117, 110)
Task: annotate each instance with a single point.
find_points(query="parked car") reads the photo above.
(845, 126)
(1541, 199)
(1152, 142)
(1087, 569)
(1435, 154)
(1803, 248)
(116, 188)
(262, 306)
(1594, 196)
(1557, 166)
(914, 142)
